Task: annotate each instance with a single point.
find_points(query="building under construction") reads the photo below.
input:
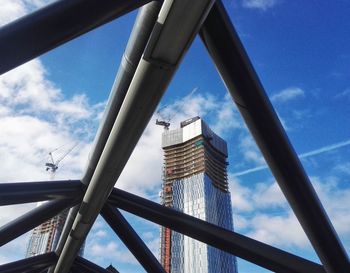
(45, 237)
(195, 182)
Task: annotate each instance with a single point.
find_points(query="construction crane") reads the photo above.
(52, 166)
(165, 122)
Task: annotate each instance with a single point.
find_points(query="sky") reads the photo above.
(300, 50)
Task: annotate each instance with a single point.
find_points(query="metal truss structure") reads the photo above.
(162, 33)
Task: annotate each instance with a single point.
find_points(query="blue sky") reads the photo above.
(300, 50)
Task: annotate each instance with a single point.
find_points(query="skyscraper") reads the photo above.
(195, 182)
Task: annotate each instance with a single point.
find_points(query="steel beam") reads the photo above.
(145, 20)
(33, 218)
(176, 27)
(131, 239)
(82, 265)
(26, 192)
(56, 24)
(240, 78)
(29, 265)
(241, 246)
(139, 36)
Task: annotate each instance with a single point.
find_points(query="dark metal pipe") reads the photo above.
(56, 24)
(28, 265)
(246, 248)
(131, 239)
(233, 64)
(139, 36)
(26, 192)
(33, 218)
(82, 265)
(141, 31)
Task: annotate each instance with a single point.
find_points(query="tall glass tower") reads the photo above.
(195, 182)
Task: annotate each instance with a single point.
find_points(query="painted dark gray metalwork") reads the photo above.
(26, 192)
(143, 26)
(131, 239)
(139, 36)
(33, 218)
(29, 265)
(55, 24)
(233, 64)
(153, 74)
(246, 248)
(82, 265)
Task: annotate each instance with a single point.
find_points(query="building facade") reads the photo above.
(195, 182)
(44, 238)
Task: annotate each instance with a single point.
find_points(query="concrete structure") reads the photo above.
(195, 182)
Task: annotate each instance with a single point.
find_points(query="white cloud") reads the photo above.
(344, 94)
(14, 250)
(257, 197)
(262, 212)
(250, 150)
(268, 196)
(37, 118)
(335, 196)
(280, 230)
(109, 251)
(227, 117)
(343, 167)
(240, 195)
(259, 4)
(287, 95)
(101, 233)
(13, 9)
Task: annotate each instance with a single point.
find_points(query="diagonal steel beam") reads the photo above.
(139, 36)
(225, 48)
(33, 218)
(244, 247)
(26, 192)
(29, 265)
(131, 239)
(56, 24)
(176, 27)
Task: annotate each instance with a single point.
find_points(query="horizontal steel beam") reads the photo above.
(241, 246)
(33, 264)
(33, 218)
(27, 192)
(131, 239)
(82, 265)
(225, 48)
(56, 24)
